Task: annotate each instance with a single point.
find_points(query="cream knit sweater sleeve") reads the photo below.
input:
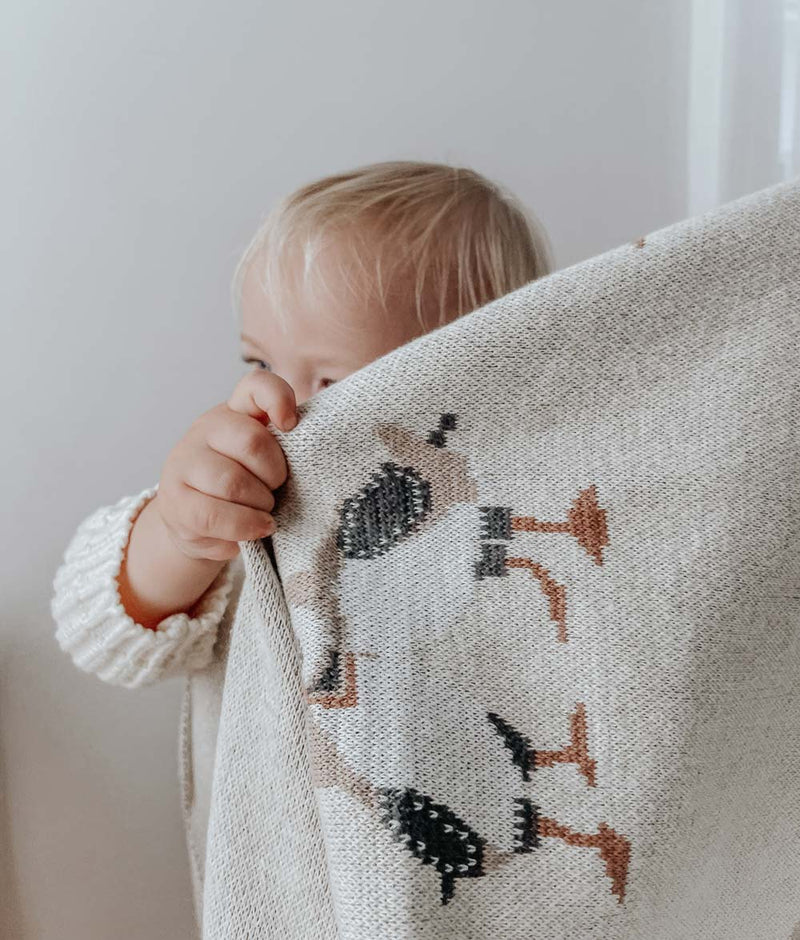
(93, 626)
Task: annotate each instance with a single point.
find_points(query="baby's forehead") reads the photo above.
(339, 273)
(349, 282)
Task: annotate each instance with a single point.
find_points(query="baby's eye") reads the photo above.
(324, 383)
(259, 362)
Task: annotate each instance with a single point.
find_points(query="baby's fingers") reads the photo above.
(214, 549)
(220, 476)
(248, 443)
(264, 394)
(204, 516)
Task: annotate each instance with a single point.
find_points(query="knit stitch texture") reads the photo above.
(528, 661)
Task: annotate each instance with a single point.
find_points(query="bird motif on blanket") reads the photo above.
(405, 497)
(422, 487)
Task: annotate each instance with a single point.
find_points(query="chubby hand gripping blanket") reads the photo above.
(524, 660)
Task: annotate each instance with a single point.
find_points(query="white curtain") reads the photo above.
(744, 98)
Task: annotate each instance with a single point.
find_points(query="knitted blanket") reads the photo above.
(526, 660)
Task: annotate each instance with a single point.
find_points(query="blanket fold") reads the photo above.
(528, 662)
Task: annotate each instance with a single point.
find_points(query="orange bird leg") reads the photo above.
(348, 698)
(586, 522)
(576, 752)
(554, 592)
(615, 850)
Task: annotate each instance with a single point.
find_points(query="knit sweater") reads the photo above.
(522, 656)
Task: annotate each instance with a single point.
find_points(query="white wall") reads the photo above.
(145, 141)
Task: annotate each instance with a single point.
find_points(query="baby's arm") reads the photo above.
(145, 583)
(156, 578)
(94, 627)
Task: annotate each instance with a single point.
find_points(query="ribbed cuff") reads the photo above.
(93, 626)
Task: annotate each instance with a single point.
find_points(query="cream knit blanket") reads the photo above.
(530, 663)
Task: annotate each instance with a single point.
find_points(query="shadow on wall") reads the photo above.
(10, 907)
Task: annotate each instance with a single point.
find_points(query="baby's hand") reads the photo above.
(216, 484)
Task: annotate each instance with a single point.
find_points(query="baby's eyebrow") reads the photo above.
(249, 339)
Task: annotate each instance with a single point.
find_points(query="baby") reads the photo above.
(341, 272)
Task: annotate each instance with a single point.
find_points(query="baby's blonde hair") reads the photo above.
(463, 239)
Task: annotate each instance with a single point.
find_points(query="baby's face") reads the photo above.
(323, 339)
